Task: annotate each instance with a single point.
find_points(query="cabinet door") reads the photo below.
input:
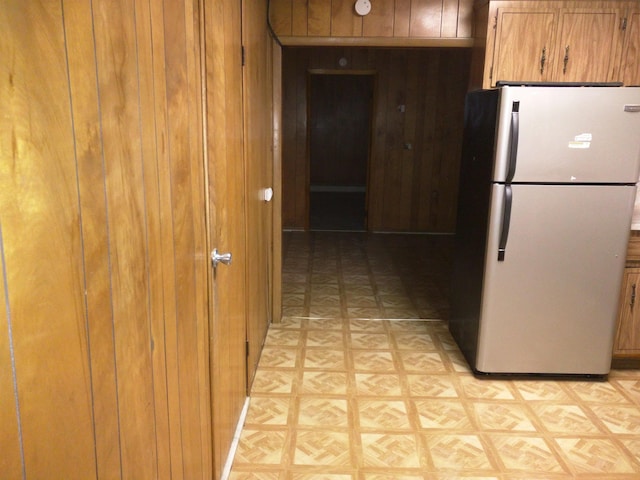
(630, 66)
(524, 45)
(589, 42)
(628, 334)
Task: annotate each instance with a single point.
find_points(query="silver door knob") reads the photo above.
(217, 258)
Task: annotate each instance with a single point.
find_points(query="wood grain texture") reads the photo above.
(591, 40)
(431, 85)
(628, 330)
(318, 18)
(399, 19)
(522, 40)
(379, 22)
(630, 62)
(91, 184)
(426, 18)
(591, 29)
(225, 197)
(11, 461)
(343, 21)
(276, 273)
(42, 257)
(258, 140)
(115, 348)
(280, 15)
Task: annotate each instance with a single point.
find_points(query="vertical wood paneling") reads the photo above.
(110, 238)
(43, 247)
(379, 22)
(10, 441)
(154, 143)
(449, 28)
(301, 201)
(388, 18)
(426, 18)
(299, 17)
(409, 190)
(258, 138)
(280, 14)
(184, 165)
(402, 17)
(465, 19)
(319, 18)
(276, 273)
(343, 22)
(88, 146)
(116, 49)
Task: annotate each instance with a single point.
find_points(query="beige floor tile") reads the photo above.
(357, 392)
(595, 455)
(447, 414)
(570, 419)
(458, 452)
(526, 454)
(435, 386)
(323, 412)
(324, 383)
(378, 384)
(319, 447)
(390, 450)
(385, 415)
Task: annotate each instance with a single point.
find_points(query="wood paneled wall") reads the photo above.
(103, 314)
(388, 19)
(411, 188)
(258, 151)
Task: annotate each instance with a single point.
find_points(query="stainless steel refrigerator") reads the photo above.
(547, 188)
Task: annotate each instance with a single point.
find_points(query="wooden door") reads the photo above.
(103, 318)
(630, 71)
(589, 43)
(258, 107)
(226, 172)
(524, 45)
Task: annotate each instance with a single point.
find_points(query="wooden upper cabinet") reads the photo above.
(559, 41)
(630, 64)
(524, 45)
(588, 46)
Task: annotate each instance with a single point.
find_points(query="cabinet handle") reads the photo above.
(566, 59)
(543, 59)
(633, 295)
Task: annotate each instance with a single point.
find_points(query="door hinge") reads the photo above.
(243, 55)
(246, 348)
(623, 24)
(491, 73)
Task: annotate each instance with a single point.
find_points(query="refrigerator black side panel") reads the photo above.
(472, 218)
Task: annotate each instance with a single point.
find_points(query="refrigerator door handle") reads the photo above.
(506, 222)
(513, 140)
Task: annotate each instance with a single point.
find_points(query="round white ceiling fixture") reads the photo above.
(363, 7)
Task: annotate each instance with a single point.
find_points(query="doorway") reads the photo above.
(340, 113)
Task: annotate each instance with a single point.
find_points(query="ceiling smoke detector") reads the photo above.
(363, 7)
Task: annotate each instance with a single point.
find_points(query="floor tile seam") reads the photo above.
(590, 416)
(569, 465)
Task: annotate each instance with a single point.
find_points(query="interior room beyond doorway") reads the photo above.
(339, 139)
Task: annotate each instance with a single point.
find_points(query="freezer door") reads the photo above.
(549, 300)
(568, 135)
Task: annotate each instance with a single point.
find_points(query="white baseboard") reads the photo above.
(236, 439)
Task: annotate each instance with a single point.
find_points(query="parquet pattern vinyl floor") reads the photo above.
(362, 380)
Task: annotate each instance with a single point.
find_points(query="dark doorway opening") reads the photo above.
(339, 137)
